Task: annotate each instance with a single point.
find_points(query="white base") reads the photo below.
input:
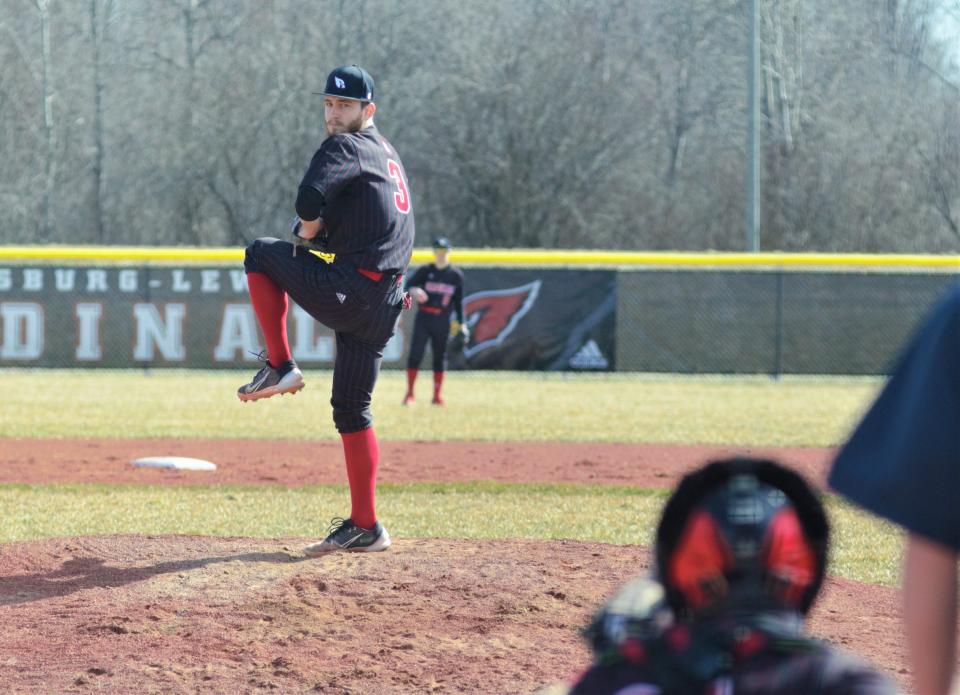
(180, 463)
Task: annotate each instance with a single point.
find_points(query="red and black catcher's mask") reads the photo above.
(742, 534)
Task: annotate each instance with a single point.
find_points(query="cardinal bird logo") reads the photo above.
(493, 314)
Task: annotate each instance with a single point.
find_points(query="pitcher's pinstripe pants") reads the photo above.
(362, 313)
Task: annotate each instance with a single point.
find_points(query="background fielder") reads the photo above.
(438, 289)
(353, 202)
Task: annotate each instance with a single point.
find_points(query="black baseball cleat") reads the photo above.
(348, 537)
(270, 381)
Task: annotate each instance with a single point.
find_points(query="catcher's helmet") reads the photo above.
(441, 242)
(742, 534)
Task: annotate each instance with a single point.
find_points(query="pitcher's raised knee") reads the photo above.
(256, 255)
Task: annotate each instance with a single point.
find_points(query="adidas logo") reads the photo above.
(589, 357)
(342, 297)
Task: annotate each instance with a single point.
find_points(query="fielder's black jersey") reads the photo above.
(444, 288)
(368, 214)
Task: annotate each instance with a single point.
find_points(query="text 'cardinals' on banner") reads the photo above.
(202, 318)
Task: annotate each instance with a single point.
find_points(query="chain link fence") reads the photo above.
(769, 322)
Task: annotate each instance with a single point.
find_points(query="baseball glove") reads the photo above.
(459, 329)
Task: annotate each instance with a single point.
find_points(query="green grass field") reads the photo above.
(486, 407)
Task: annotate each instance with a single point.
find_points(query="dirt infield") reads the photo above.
(227, 615)
(258, 462)
(199, 614)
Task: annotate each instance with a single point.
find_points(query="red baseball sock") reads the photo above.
(411, 379)
(270, 304)
(437, 384)
(363, 455)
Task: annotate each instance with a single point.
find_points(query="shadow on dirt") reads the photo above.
(82, 573)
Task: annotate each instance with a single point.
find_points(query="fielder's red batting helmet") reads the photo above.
(742, 534)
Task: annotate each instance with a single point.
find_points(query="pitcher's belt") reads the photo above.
(377, 276)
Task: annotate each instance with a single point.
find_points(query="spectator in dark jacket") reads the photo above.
(903, 463)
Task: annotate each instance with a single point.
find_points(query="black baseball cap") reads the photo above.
(349, 82)
(441, 242)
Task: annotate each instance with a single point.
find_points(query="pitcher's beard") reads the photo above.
(351, 127)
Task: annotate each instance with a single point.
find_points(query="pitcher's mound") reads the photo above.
(185, 613)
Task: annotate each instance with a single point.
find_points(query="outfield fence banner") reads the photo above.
(539, 319)
(200, 317)
(720, 320)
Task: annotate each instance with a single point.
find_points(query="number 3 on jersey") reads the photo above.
(401, 198)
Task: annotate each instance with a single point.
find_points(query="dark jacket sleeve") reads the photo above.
(903, 460)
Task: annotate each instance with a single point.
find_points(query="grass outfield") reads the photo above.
(863, 547)
(484, 406)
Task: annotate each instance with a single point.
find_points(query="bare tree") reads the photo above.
(942, 173)
(100, 11)
(574, 123)
(47, 93)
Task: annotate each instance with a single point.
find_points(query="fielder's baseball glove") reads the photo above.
(459, 329)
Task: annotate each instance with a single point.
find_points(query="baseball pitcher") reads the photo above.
(353, 202)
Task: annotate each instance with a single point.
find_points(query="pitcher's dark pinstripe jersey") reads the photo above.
(368, 215)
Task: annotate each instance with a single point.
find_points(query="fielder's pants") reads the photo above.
(434, 328)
